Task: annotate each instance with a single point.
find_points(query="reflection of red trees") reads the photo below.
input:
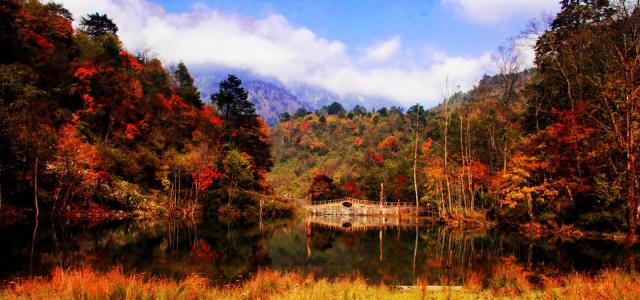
(202, 250)
(386, 276)
(349, 242)
(94, 259)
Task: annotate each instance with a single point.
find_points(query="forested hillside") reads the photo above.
(556, 145)
(358, 150)
(84, 123)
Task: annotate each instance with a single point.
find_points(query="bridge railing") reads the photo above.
(363, 202)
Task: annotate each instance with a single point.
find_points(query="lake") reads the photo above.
(398, 254)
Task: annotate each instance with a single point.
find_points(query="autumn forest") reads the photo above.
(92, 134)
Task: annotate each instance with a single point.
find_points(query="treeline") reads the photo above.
(85, 123)
(556, 145)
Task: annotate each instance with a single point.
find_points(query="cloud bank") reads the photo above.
(275, 48)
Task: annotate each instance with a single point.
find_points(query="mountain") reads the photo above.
(319, 97)
(271, 100)
(269, 96)
(314, 96)
(272, 97)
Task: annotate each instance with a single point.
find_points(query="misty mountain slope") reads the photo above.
(271, 100)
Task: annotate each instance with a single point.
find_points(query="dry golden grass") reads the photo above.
(507, 282)
(86, 283)
(609, 284)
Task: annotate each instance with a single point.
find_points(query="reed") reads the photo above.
(86, 283)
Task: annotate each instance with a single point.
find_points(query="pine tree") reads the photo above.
(245, 130)
(233, 102)
(185, 86)
(97, 25)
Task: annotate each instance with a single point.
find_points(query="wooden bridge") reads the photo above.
(359, 207)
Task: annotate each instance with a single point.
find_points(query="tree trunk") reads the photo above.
(260, 212)
(33, 241)
(442, 210)
(530, 210)
(472, 193)
(380, 243)
(463, 163)
(415, 161)
(179, 184)
(415, 176)
(446, 149)
(415, 254)
(35, 187)
(381, 196)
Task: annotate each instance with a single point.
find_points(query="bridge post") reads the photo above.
(381, 197)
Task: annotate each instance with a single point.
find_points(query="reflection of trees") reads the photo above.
(225, 252)
(443, 256)
(169, 249)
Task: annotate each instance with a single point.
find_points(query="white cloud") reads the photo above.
(407, 86)
(383, 50)
(525, 49)
(492, 11)
(273, 47)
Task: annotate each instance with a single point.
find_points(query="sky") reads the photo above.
(404, 50)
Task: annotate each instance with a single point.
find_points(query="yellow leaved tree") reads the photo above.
(521, 182)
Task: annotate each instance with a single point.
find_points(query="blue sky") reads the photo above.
(400, 50)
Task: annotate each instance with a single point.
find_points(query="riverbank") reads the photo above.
(506, 283)
(478, 220)
(154, 207)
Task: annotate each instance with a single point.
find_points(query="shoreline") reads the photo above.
(477, 222)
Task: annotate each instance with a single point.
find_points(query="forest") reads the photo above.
(553, 148)
(88, 128)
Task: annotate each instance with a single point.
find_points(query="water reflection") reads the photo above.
(390, 251)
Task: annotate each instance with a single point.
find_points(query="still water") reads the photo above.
(226, 253)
